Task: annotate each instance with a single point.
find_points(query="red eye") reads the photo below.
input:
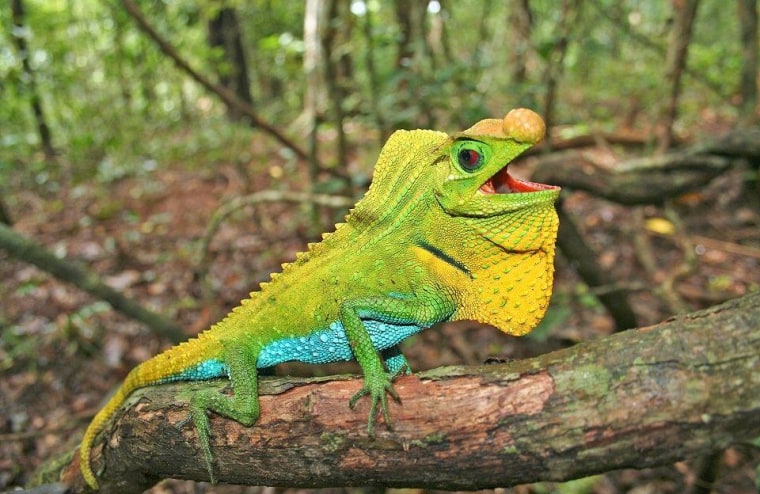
(469, 159)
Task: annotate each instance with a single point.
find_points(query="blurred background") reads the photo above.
(174, 154)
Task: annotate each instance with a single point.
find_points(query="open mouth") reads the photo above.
(504, 183)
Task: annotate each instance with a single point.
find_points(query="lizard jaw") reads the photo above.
(504, 183)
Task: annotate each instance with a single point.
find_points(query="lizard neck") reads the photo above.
(505, 266)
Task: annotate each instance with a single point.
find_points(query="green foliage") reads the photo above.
(116, 105)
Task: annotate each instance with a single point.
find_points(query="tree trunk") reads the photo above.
(684, 12)
(748, 85)
(410, 62)
(405, 46)
(335, 38)
(637, 399)
(224, 32)
(373, 78)
(440, 46)
(19, 36)
(521, 24)
(555, 66)
(316, 96)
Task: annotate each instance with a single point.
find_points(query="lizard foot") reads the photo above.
(200, 418)
(378, 388)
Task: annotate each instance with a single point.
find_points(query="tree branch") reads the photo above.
(636, 399)
(229, 97)
(239, 202)
(649, 180)
(68, 271)
(584, 260)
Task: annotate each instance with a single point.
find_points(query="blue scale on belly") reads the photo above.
(331, 344)
(320, 347)
(208, 369)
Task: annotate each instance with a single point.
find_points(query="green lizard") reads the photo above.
(444, 233)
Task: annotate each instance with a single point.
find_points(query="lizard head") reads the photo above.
(502, 228)
(478, 183)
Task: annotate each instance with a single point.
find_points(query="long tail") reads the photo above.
(101, 418)
(193, 360)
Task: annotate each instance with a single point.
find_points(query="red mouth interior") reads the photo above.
(504, 183)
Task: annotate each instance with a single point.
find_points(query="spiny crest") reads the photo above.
(405, 155)
(312, 249)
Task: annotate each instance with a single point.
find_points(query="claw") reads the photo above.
(379, 393)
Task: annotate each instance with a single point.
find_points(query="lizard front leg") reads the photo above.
(393, 310)
(242, 406)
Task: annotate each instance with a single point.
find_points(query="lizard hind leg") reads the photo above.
(242, 406)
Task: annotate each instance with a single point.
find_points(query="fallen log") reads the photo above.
(652, 179)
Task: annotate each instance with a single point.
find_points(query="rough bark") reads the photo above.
(69, 271)
(637, 399)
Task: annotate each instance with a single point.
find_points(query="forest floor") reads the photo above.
(62, 351)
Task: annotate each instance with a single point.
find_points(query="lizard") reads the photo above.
(443, 233)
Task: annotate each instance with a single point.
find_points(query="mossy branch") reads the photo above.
(637, 399)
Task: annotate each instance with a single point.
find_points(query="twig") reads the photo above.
(730, 247)
(237, 203)
(685, 267)
(68, 271)
(645, 255)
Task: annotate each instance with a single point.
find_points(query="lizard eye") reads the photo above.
(469, 159)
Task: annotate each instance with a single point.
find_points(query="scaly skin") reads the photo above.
(444, 233)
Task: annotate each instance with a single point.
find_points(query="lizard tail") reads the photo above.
(101, 418)
(192, 360)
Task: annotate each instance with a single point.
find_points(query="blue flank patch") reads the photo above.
(331, 344)
(321, 347)
(208, 369)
